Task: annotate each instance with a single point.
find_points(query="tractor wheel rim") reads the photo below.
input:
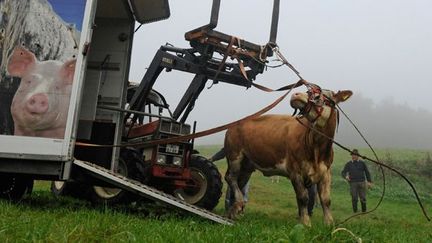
(194, 194)
(106, 192)
(110, 192)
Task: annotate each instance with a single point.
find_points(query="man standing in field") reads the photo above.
(355, 172)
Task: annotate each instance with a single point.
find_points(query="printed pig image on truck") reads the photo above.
(36, 43)
(39, 107)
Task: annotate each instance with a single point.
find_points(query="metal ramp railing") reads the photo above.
(148, 192)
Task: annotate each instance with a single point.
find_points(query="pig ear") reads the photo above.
(343, 95)
(68, 70)
(20, 61)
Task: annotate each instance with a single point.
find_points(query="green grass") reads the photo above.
(271, 214)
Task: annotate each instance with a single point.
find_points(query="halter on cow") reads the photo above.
(287, 146)
(317, 98)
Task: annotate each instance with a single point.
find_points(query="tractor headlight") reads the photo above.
(177, 161)
(161, 159)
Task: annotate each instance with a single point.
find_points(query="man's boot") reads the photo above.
(363, 206)
(354, 206)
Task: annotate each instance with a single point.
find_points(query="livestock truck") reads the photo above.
(68, 113)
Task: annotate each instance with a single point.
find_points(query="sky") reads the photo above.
(379, 49)
(70, 11)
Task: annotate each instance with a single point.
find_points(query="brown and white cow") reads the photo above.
(282, 145)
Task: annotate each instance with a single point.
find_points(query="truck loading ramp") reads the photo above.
(140, 189)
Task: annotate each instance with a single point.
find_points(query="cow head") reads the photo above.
(318, 105)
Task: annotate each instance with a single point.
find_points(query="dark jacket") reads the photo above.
(357, 170)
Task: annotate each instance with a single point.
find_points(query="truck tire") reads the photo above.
(205, 186)
(59, 188)
(111, 196)
(68, 188)
(13, 187)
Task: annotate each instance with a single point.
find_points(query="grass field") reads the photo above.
(270, 214)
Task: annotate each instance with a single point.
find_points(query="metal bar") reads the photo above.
(184, 64)
(113, 108)
(213, 18)
(194, 97)
(138, 99)
(227, 38)
(214, 14)
(148, 192)
(275, 21)
(189, 96)
(29, 165)
(227, 77)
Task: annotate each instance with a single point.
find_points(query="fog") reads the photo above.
(378, 49)
(385, 124)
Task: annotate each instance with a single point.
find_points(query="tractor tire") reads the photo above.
(14, 187)
(205, 186)
(127, 167)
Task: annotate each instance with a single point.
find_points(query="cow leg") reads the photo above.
(243, 183)
(324, 194)
(231, 177)
(243, 180)
(302, 200)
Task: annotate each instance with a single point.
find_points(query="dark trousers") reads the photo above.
(311, 195)
(358, 190)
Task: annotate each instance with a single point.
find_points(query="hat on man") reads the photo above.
(354, 152)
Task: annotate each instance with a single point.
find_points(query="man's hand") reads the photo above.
(369, 185)
(347, 178)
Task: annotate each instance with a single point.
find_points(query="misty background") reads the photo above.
(381, 50)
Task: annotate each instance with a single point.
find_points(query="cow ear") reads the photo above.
(342, 95)
(20, 61)
(68, 71)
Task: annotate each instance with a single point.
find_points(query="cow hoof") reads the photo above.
(231, 215)
(328, 221)
(235, 210)
(305, 220)
(307, 224)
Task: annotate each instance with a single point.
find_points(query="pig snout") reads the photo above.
(37, 103)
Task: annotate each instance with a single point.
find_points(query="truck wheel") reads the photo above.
(66, 188)
(107, 195)
(14, 187)
(59, 188)
(205, 187)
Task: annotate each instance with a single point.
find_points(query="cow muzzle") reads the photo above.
(299, 101)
